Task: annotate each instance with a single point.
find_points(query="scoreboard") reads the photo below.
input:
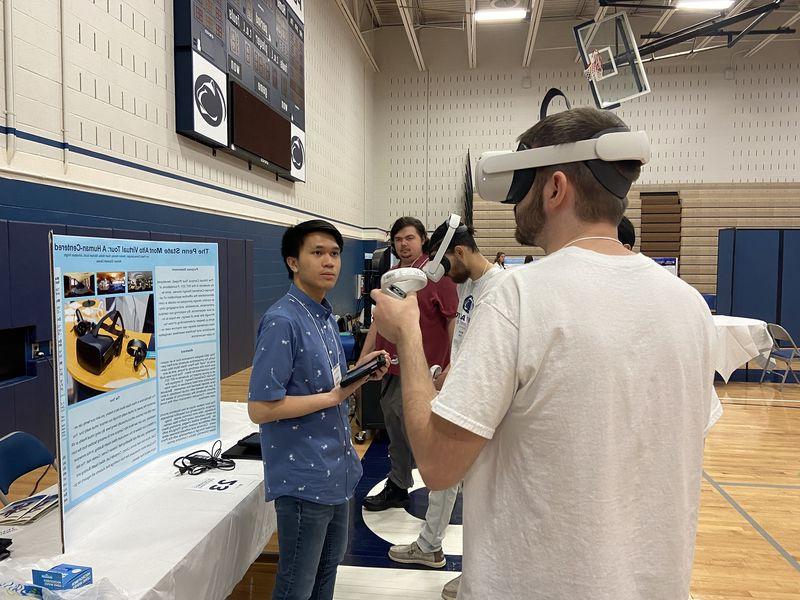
(239, 79)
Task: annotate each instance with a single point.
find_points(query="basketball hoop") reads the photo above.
(594, 71)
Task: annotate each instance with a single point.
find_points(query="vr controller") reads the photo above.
(400, 282)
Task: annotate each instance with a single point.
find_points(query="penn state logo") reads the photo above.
(466, 308)
(210, 100)
(468, 304)
(298, 153)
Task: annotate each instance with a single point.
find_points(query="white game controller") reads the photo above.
(400, 282)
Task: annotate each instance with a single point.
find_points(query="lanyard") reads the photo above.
(321, 337)
(424, 260)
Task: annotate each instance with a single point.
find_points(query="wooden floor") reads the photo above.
(748, 541)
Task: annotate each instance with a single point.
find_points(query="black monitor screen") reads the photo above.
(259, 129)
(12, 353)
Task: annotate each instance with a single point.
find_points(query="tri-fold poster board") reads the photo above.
(136, 347)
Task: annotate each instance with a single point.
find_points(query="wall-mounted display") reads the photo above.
(258, 48)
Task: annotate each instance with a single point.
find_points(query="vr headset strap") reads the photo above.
(109, 324)
(548, 98)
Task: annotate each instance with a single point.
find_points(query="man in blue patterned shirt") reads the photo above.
(310, 466)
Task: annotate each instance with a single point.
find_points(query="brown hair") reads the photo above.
(593, 203)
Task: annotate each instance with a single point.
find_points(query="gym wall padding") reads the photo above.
(725, 271)
(761, 268)
(28, 211)
(790, 283)
(755, 274)
(5, 290)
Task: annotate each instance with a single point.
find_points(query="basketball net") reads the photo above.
(594, 71)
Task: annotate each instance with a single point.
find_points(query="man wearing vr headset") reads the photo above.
(465, 265)
(582, 454)
(437, 307)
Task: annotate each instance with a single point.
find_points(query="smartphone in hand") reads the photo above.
(364, 370)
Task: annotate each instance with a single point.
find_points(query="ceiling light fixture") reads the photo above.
(704, 4)
(500, 15)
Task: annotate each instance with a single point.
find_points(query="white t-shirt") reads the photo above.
(591, 376)
(469, 293)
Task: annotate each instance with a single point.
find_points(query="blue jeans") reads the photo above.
(312, 540)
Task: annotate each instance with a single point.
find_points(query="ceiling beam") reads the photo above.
(376, 16)
(760, 46)
(533, 29)
(598, 16)
(472, 50)
(662, 20)
(734, 10)
(354, 27)
(407, 15)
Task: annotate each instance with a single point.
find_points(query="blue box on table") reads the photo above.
(63, 577)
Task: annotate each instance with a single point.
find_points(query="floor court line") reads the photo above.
(775, 486)
(781, 550)
(769, 402)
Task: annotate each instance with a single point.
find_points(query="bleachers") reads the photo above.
(706, 209)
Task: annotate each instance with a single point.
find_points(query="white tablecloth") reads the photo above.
(152, 537)
(740, 340)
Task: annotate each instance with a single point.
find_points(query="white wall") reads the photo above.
(379, 145)
(120, 103)
(704, 128)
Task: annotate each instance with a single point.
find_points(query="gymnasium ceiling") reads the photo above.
(371, 16)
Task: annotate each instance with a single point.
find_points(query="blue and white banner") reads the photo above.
(670, 263)
(137, 355)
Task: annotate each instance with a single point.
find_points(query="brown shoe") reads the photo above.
(412, 554)
(450, 589)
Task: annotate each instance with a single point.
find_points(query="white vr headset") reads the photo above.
(439, 266)
(507, 176)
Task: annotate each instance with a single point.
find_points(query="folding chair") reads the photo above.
(783, 350)
(20, 453)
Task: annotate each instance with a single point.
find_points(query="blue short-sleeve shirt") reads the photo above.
(309, 457)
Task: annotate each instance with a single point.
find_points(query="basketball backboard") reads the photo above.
(611, 60)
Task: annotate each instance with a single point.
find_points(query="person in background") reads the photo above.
(578, 484)
(474, 276)
(500, 259)
(437, 308)
(626, 233)
(310, 466)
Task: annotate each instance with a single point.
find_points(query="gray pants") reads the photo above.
(399, 449)
(440, 504)
(440, 509)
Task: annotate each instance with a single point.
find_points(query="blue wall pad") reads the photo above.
(252, 272)
(37, 203)
(725, 245)
(790, 284)
(755, 274)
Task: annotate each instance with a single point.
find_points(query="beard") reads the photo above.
(458, 272)
(459, 277)
(530, 219)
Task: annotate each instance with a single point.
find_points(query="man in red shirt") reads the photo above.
(438, 307)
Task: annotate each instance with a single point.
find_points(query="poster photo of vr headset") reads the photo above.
(109, 328)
